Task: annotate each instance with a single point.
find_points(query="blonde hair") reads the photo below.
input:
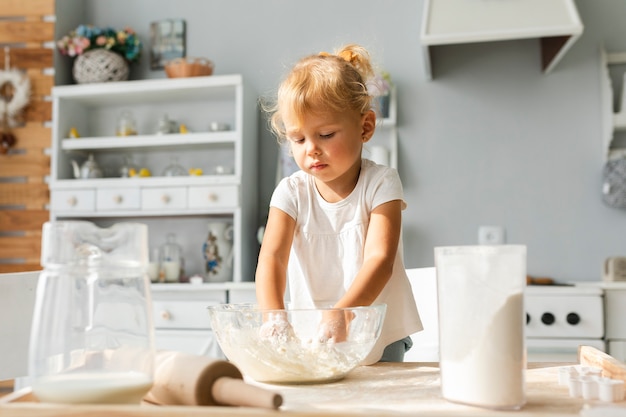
(324, 82)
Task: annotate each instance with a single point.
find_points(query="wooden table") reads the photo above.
(381, 389)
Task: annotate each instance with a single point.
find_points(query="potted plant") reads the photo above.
(102, 54)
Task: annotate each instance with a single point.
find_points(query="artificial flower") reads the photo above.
(87, 37)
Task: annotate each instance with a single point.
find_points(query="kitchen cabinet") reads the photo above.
(219, 137)
(181, 319)
(612, 122)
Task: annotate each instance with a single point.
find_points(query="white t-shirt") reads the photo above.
(328, 243)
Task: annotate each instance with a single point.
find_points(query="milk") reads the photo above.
(93, 388)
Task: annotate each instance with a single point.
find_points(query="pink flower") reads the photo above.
(84, 43)
(101, 40)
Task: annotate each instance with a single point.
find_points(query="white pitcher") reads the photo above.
(92, 339)
(218, 252)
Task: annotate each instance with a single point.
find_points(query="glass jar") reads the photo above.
(92, 339)
(126, 125)
(165, 125)
(171, 259)
(128, 169)
(174, 169)
(154, 266)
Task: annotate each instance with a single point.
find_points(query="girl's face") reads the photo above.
(328, 145)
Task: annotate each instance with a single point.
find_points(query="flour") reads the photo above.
(290, 359)
(490, 372)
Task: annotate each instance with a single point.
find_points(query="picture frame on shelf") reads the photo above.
(167, 42)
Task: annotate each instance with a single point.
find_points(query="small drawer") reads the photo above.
(73, 200)
(182, 314)
(164, 198)
(118, 199)
(213, 196)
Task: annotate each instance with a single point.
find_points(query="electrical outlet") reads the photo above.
(491, 235)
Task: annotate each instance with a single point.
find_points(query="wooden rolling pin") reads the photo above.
(184, 379)
(611, 367)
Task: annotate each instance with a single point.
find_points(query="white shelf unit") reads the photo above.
(386, 134)
(611, 121)
(183, 205)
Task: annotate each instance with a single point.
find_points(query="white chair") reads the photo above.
(425, 343)
(17, 301)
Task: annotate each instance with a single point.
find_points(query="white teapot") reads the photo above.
(89, 169)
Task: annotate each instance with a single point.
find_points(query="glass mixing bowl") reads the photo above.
(291, 346)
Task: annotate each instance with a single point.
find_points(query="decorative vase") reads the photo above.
(99, 66)
(218, 252)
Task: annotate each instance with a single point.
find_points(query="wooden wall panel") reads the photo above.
(22, 32)
(38, 58)
(21, 247)
(19, 8)
(24, 193)
(16, 220)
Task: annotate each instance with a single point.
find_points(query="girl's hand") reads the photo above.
(335, 326)
(276, 328)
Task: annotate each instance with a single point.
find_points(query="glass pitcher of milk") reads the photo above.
(482, 354)
(92, 339)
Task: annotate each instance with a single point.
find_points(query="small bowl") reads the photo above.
(189, 67)
(295, 356)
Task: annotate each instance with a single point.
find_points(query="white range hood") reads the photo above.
(554, 22)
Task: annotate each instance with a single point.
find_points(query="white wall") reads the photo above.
(491, 141)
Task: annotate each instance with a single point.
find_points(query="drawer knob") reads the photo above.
(213, 197)
(165, 315)
(118, 199)
(72, 201)
(166, 198)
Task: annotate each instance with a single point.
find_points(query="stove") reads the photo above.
(559, 318)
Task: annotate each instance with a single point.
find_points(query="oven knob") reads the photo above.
(573, 319)
(547, 318)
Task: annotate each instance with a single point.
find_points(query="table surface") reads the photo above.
(381, 389)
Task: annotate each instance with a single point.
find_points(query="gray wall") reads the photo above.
(491, 141)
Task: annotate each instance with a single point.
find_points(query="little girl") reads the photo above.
(334, 226)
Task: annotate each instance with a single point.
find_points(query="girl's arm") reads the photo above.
(271, 272)
(381, 246)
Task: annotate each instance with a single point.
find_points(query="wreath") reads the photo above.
(12, 104)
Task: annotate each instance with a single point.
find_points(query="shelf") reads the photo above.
(137, 214)
(619, 122)
(142, 91)
(156, 181)
(611, 122)
(555, 23)
(150, 141)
